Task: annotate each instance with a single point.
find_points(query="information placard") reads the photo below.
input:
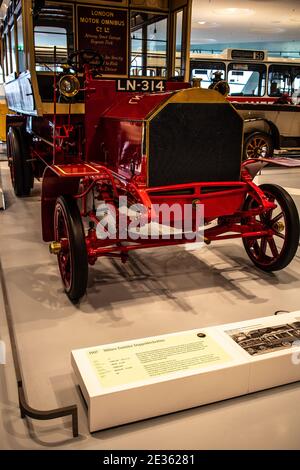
(141, 360)
(105, 30)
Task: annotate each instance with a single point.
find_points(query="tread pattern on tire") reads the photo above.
(266, 136)
(77, 247)
(291, 243)
(23, 174)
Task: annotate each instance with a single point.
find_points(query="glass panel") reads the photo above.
(9, 59)
(148, 44)
(179, 66)
(283, 79)
(45, 41)
(21, 54)
(207, 71)
(296, 82)
(47, 37)
(247, 79)
(13, 49)
(5, 65)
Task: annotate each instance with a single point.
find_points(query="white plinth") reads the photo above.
(138, 379)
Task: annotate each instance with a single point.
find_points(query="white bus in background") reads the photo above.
(258, 86)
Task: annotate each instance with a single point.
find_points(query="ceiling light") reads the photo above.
(267, 30)
(205, 40)
(234, 11)
(208, 24)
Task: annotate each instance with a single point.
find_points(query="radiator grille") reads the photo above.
(195, 142)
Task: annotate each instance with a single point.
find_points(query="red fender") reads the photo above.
(54, 186)
(254, 166)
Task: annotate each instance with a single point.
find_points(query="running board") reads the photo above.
(288, 151)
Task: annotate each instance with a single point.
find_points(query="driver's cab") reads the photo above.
(137, 39)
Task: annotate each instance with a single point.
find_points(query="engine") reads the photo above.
(187, 136)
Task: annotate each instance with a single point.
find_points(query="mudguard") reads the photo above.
(254, 166)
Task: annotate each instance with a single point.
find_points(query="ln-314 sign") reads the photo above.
(141, 84)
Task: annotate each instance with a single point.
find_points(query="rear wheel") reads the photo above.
(20, 170)
(257, 145)
(274, 252)
(72, 258)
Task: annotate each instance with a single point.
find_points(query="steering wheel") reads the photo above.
(78, 59)
(221, 86)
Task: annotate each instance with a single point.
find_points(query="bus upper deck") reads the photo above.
(37, 36)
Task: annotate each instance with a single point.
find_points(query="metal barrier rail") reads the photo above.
(25, 408)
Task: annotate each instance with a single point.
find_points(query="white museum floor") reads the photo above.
(158, 291)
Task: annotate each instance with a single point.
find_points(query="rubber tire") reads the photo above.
(292, 228)
(17, 152)
(78, 251)
(257, 134)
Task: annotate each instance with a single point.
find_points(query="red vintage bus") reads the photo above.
(96, 131)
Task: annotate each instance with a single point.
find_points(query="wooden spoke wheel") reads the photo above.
(72, 257)
(20, 170)
(274, 252)
(258, 145)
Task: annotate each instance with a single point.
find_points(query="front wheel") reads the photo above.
(274, 252)
(72, 257)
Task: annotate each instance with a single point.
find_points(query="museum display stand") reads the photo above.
(134, 380)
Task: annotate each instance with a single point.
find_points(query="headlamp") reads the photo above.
(69, 86)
